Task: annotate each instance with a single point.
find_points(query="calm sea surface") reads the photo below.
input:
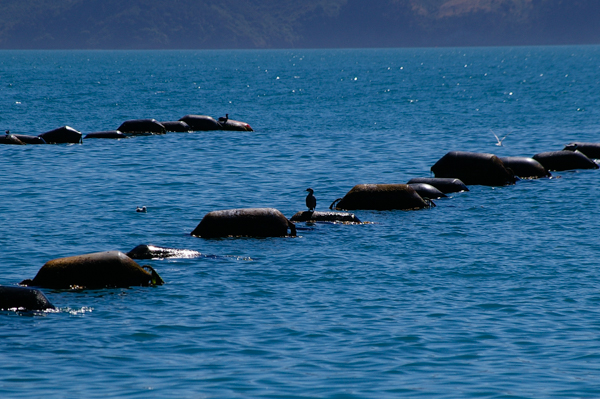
(494, 293)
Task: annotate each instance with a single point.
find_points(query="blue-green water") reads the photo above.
(493, 293)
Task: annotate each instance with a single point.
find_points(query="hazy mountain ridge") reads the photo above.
(452, 8)
(99, 24)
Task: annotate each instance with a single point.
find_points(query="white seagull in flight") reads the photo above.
(499, 143)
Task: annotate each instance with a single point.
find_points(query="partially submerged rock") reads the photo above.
(317, 216)
(111, 269)
(245, 222)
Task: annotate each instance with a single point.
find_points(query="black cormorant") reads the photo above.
(311, 200)
(224, 119)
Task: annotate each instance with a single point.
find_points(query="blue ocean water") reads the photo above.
(493, 293)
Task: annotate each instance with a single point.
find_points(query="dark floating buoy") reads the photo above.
(23, 299)
(427, 191)
(245, 222)
(109, 134)
(142, 127)
(445, 185)
(177, 126)
(10, 139)
(112, 269)
(590, 150)
(474, 168)
(27, 139)
(62, 135)
(327, 217)
(380, 197)
(564, 160)
(525, 168)
(232, 125)
(198, 123)
(144, 251)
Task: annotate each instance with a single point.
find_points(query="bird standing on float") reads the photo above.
(311, 200)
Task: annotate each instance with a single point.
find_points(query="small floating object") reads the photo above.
(141, 127)
(62, 135)
(525, 168)
(109, 134)
(444, 184)
(111, 269)
(380, 197)
(23, 299)
(564, 160)
(473, 168)
(317, 216)
(201, 123)
(590, 150)
(245, 222)
(142, 209)
(144, 251)
(177, 126)
(427, 191)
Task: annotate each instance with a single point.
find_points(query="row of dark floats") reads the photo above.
(453, 173)
(133, 127)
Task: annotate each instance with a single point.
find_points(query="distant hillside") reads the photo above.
(152, 24)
